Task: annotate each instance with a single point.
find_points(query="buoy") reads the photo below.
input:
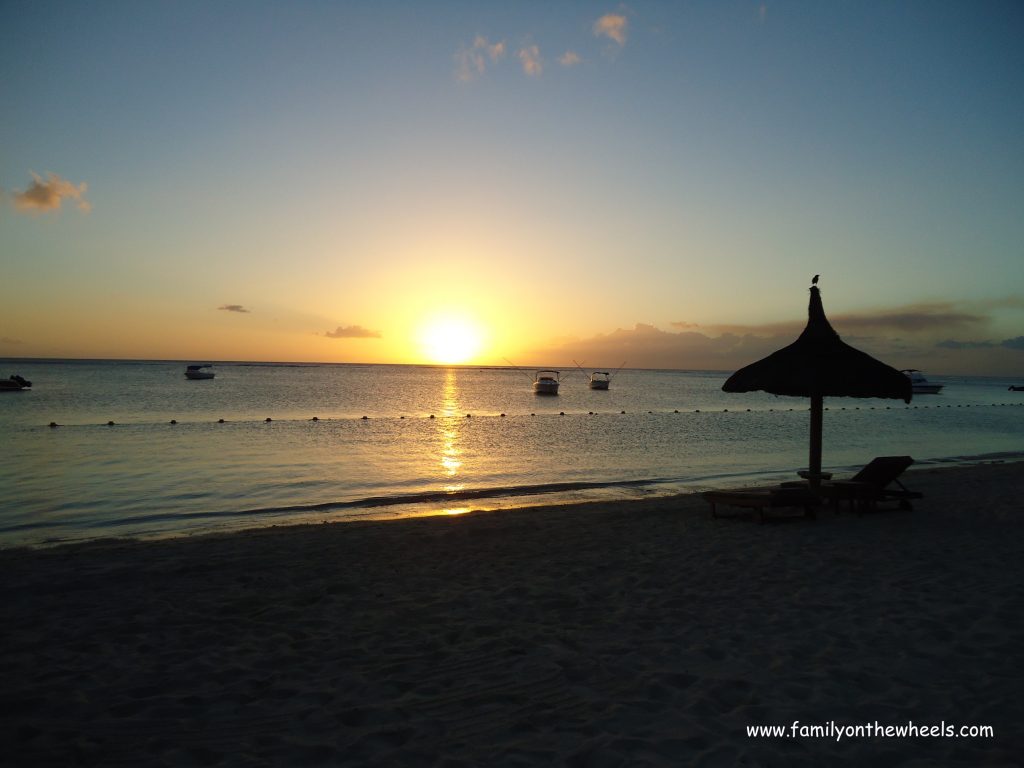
(54, 424)
(268, 419)
(431, 415)
(503, 415)
(110, 423)
(676, 411)
(401, 417)
(365, 418)
(697, 410)
(622, 411)
(220, 421)
(315, 418)
(173, 421)
(469, 415)
(561, 413)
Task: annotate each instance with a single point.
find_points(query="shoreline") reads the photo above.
(633, 632)
(442, 504)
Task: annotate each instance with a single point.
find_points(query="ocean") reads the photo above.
(328, 442)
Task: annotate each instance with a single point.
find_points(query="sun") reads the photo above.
(450, 340)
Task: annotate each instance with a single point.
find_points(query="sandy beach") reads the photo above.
(607, 634)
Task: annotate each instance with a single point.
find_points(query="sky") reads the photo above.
(651, 183)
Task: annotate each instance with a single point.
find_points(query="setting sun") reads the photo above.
(450, 340)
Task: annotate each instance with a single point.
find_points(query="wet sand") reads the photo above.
(606, 634)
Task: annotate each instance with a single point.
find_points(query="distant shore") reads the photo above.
(606, 633)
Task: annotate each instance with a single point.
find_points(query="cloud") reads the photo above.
(569, 59)
(943, 337)
(352, 332)
(9, 340)
(533, 65)
(612, 26)
(43, 196)
(951, 344)
(1015, 344)
(914, 319)
(471, 61)
(234, 308)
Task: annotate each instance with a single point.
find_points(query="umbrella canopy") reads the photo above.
(817, 365)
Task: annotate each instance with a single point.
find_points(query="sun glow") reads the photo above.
(450, 340)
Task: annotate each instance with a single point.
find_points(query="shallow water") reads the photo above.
(491, 441)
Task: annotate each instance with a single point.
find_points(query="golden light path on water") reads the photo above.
(451, 461)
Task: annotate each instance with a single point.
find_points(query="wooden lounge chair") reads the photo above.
(760, 500)
(872, 485)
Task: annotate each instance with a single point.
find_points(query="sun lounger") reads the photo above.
(760, 500)
(873, 484)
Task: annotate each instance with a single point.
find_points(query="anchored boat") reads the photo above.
(546, 382)
(920, 384)
(14, 384)
(197, 372)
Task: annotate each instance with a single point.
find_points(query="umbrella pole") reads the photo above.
(814, 467)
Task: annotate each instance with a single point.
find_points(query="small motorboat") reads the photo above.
(1015, 388)
(546, 382)
(600, 380)
(14, 384)
(197, 372)
(920, 384)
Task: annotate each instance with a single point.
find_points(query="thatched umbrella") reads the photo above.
(816, 365)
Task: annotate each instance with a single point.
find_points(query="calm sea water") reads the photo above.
(491, 442)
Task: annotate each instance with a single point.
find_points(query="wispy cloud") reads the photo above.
(9, 340)
(913, 319)
(942, 337)
(569, 59)
(352, 332)
(532, 63)
(47, 195)
(614, 26)
(1014, 344)
(234, 308)
(471, 61)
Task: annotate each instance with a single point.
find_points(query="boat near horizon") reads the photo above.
(196, 372)
(546, 382)
(921, 385)
(14, 384)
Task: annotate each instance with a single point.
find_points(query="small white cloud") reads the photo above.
(234, 308)
(569, 59)
(471, 61)
(612, 26)
(43, 196)
(533, 65)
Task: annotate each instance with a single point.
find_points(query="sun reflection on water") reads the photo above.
(451, 462)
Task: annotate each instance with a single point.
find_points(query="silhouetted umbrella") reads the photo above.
(817, 365)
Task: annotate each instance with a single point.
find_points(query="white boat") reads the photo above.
(600, 380)
(920, 384)
(197, 372)
(546, 382)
